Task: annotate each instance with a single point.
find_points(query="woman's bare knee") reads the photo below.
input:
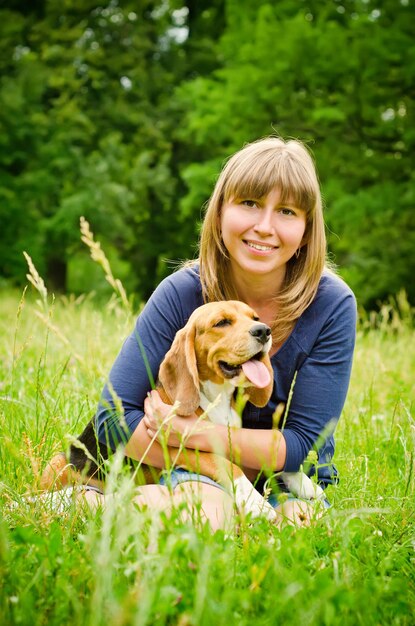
(156, 497)
(205, 503)
(298, 513)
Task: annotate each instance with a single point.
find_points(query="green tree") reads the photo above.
(83, 132)
(124, 113)
(339, 76)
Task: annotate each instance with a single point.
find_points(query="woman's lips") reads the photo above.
(259, 247)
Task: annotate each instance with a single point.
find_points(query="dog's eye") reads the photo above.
(255, 318)
(224, 322)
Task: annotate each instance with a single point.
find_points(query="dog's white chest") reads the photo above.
(216, 400)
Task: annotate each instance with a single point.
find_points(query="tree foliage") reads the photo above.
(124, 112)
(340, 77)
(84, 131)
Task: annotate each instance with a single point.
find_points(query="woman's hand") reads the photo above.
(162, 423)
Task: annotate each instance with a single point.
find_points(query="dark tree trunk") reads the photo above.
(56, 274)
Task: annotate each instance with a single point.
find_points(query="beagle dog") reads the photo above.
(222, 347)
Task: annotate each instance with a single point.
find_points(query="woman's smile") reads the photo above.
(260, 247)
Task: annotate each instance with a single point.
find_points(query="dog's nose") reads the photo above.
(260, 332)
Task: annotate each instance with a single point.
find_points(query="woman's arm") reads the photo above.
(252, 449)
(136, 367)
(322, 382)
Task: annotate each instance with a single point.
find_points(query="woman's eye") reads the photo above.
(287, 211)
(250, 203)
(224, 322)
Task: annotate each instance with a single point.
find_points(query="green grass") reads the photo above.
(122, 566)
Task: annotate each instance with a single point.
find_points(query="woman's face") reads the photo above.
(261, 235)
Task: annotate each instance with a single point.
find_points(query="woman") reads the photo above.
(262, 242)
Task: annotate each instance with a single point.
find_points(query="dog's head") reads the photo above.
(221, 341)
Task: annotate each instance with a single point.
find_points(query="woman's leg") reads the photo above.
(205, 503)
(156, 497)
(298, 512)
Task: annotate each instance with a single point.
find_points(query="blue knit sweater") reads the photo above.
(319, 350)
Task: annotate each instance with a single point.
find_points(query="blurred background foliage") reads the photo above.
(124, 111)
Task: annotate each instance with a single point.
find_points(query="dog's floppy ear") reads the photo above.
(260, 397)
(178, 372)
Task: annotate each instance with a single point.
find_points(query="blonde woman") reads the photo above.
(262, 242)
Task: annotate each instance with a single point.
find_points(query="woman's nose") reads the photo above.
(264, 224)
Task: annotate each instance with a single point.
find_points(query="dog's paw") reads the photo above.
(251, 501)
(300, 485)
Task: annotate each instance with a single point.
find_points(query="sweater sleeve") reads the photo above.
(319, 393)
(136, 366)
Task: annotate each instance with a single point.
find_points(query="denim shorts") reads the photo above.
(179, 475)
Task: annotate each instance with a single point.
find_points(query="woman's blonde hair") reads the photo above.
(253, 172)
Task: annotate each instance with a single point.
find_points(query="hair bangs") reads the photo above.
(254, 178)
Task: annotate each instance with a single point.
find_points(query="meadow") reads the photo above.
(124, 566)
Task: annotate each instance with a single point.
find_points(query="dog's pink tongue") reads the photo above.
(257, 373)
